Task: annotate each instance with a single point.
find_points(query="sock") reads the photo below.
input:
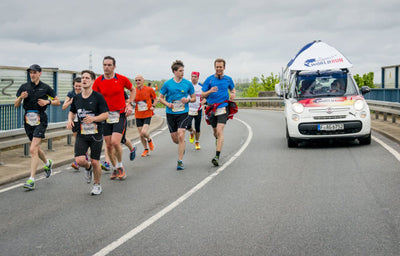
(89, 167)
(48, 162)
(149, 141)
(32, 178)
(218, 153)
(119, 164)
(197, 141)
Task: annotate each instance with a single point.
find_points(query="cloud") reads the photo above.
(255, 37)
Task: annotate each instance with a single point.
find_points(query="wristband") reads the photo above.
(50, 102)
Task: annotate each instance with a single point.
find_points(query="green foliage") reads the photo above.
(265, 83)
(365, 80)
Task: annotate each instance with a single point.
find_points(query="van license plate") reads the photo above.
(330, 127)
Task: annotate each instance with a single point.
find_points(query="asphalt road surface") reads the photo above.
(264, 199)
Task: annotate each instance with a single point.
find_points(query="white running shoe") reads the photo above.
(96, 189)
(88, 174)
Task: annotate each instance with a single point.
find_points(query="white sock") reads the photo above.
(119, 164)
(48, 162)
(32, 178)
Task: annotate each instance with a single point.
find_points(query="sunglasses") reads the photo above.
(137, 80)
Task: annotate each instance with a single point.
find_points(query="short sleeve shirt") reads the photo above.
(113, 91)
(36, 92)
(224, 84)
(174, 92)
(94, 105)
(144, 102)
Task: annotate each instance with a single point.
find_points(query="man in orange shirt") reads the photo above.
(146, 100)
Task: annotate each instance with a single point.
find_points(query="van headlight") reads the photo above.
(359, 104)
(298, 108)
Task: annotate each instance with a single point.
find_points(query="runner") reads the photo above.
(173, 95)
(216, 90)
(91, 110)
(111, 85)
(195, 112)
(68, 101)
(36, 96)
(105, 165)
(146, 100)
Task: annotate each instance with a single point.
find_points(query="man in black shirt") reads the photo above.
(36, 95)
(91, 109)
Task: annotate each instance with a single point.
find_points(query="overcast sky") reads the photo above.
(254, 36)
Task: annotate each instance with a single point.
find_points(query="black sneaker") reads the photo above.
(215, 161)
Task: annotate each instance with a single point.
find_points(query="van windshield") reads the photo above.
(328, 84)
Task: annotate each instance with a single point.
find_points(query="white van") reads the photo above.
(322, 100)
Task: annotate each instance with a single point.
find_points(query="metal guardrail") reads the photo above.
(17, 137)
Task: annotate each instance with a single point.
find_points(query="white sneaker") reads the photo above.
(96, 189)
(88, 174)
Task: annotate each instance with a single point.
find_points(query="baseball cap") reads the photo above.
(35, 67)
(196, 73)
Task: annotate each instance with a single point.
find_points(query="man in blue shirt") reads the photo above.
(174, 95)
(216, 90)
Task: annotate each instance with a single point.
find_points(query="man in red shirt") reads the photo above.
(146, 100)
(111, 85)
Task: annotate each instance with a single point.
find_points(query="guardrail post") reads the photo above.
(69, 140)
(26, 150)
(393, 118)
(50, 144)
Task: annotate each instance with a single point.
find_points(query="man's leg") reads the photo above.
(116, 145)
(181, 143)
(34, 151)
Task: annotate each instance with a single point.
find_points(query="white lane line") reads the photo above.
(69, 168)
(388, 148)
(109, 248)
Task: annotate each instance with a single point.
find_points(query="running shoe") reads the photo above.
(29, 185)
(47, 168)
(75, 165)
(191, 140)
(180, 166)
(114, 175)
(105, 166)
(121, 173)
(89, 174)
(145, 152)
(132, 155)
(197, 145)
(96, 189)
(215, 161)
(151, 145)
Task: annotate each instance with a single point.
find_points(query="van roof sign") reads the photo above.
(318, 55)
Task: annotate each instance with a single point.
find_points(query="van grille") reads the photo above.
(329, 117)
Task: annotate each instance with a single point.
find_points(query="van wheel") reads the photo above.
(290, 142)
(365, 140)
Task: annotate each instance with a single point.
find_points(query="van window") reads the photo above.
(324, 85)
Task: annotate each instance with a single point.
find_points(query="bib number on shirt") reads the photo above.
(142, 106)
(113, 117)
(32, 118)
(178, 106)
(88, 129)
(220, 111)
(193, 112)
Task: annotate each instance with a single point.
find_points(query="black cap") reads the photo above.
(35, 67)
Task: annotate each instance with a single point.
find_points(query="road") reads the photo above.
(267, 199)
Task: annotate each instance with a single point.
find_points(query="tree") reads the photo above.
(265, 83)
(365, 80)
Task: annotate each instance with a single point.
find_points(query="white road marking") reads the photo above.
(388, 148)
(109, 248)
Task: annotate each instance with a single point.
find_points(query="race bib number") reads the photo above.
(193, 112)
(142, 106)
(32, 118)
(178, 106)
(220, 111)
(88, 129)
(113, 117)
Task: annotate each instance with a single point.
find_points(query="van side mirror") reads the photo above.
(278, 90)
(365, 89)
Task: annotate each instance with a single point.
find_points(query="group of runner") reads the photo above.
(99, 108)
